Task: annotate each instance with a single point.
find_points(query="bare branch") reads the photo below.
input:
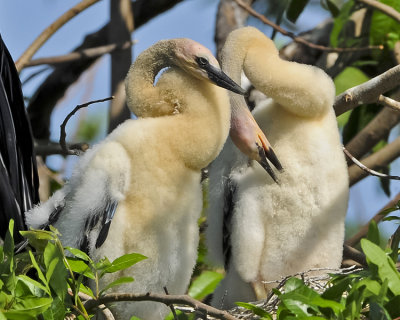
(389, 102)
(354, 240)
(171, 306)
(378, 159)
(63, 134)
(50, 30)
(384, 8)
(162, 298)
(229, 17)
(355, 255)
(47, 148)
(368, 92)
(366, 169)
(84, 297)
(300, 39)
(82, 54)
(121, 27)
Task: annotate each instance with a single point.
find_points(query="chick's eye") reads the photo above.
(202, 61)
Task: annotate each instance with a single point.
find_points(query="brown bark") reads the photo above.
(121, 27)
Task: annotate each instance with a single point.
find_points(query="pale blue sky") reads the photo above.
(23, 20)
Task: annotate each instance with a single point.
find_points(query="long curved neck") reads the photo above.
(301, 89)
(142, 95)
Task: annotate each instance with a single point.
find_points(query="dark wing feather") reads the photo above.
(99, 221)
(229, 205)
(19, 181)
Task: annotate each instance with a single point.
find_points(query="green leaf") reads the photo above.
(386, 268)
(256, 310)
(56, 273)
(340, 22)
(86, 290)
(18, 315)
(57, 310)
(123, 262)
(205, 284)
(80, 267)
(39, 272)
(117, 282)
(79, 254)
(394, 246)
(33, 285)
(378, 312)
(298, 298)
(348, 78)
(382, 26)
(34, 305)
(373, 233)
(9, 244)
(296, 7)
(38, 238)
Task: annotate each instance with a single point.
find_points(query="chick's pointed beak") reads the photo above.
(248, 137)
(218, 77)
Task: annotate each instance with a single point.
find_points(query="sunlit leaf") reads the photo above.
(205, 284)
(124, 262)
(386, 267)
(117, 282)
(256, 310)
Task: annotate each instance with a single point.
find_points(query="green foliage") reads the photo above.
(370, 294)
(205, 284)
(37, 282)
(384, 29)
(348, 78)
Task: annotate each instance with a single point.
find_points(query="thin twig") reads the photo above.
(85, 297)
(63, 134)
(354, 240)
(366, 169)
(389, 102)
(384, 8)
(171, 306)
(162, 298)
(51, 148)
(80, 55)
(50, 30)
(300, 39)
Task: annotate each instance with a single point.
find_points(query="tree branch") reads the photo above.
(48, 148)
(378, 159)
(162, 298)
(368, 92)
(50, 30)
(63, 134)
(299, 39)
(389, 102)
(354, 240)
(82, 54)
(384, 8)
(229, 18)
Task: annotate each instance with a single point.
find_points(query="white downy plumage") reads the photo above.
(139, 190)
(259, 229)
